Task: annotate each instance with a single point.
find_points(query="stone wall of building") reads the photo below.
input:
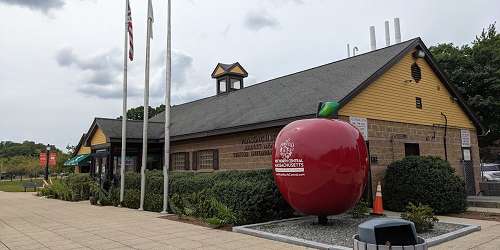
(247, 150)
(252, 150)
(387, 144)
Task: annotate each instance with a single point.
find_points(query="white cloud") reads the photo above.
(259, 19)
(39, 5)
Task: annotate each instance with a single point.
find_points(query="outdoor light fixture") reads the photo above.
(48, 147)
(419, 54)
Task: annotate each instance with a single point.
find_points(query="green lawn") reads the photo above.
(17, 185)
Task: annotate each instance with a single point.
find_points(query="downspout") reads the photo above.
(444, 138)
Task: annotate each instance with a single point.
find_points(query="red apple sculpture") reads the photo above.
(320, 166)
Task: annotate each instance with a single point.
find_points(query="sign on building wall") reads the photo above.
(361, 124)
(256, 146)
(465, 136)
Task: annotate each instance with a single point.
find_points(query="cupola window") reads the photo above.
(236, 83)
(229, 77)
(222, 85)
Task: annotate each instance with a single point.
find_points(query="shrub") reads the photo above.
(153, 202)
(131, 198)
(251, 196)
(222, 215)
(79, 186)
(427, 180)
(75, 187)
(58, 190)
(202, 205)
(177, 205)
(422, 216)
(360, 210)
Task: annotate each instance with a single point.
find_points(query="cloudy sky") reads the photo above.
(61, 60)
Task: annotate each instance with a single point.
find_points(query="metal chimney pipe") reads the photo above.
(387, 34)
(373, 41)
(348, 51)
(397, 30)
(354, 50)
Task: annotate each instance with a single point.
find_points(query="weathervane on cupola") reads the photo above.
(229, 77)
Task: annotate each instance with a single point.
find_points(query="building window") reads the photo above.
(235, 84)
(179, 161)
(418, 102)
(222, 85)
(416, 73)
(412, 149)
(206, 159)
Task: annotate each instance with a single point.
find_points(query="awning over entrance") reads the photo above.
(79, 160)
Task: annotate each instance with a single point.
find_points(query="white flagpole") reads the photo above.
(146, 108)
(124, 107)
(167, 110)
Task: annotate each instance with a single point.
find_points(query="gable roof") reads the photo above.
(227, 69)
(295, 96)
(112, 129)
(79, 145)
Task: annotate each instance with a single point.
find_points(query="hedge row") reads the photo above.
(251, 195)
(75, 187)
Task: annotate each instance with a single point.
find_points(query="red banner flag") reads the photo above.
(43, 159)
(52, 159)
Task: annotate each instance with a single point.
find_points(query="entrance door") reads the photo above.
(470, 182)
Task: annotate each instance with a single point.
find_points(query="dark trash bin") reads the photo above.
(386, 233)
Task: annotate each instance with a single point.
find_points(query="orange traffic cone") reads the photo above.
(378, 208)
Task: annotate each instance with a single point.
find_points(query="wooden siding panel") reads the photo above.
(392, 98)
(219, 71)
(98, 138)
(83, 151)
(237, 70)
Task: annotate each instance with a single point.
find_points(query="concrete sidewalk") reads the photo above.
(30, 222)
(487, 238)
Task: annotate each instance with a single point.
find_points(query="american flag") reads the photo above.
(130, 33)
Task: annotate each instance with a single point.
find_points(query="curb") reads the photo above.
(246, 229)
(453, 235)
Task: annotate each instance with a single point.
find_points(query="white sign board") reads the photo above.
(361, 124)
(465, 136)
(467, 155)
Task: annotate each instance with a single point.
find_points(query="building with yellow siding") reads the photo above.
(81, 158)
(397, 96)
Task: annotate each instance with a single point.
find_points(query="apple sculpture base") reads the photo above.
(320, 166)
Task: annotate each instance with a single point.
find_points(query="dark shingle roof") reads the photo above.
(277, 101)
(289, 96)
(112, 128)
(226, 67)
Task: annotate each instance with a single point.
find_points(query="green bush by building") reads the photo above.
(251, 195)
(75, 187)
(424, 180)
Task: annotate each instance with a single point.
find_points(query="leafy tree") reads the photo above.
(71, 149)
(475, 70)
(137, 113)
(26, 148)
(21, 159)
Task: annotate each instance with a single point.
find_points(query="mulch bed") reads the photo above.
(477, 216)
(339, 230)
(195, 221)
